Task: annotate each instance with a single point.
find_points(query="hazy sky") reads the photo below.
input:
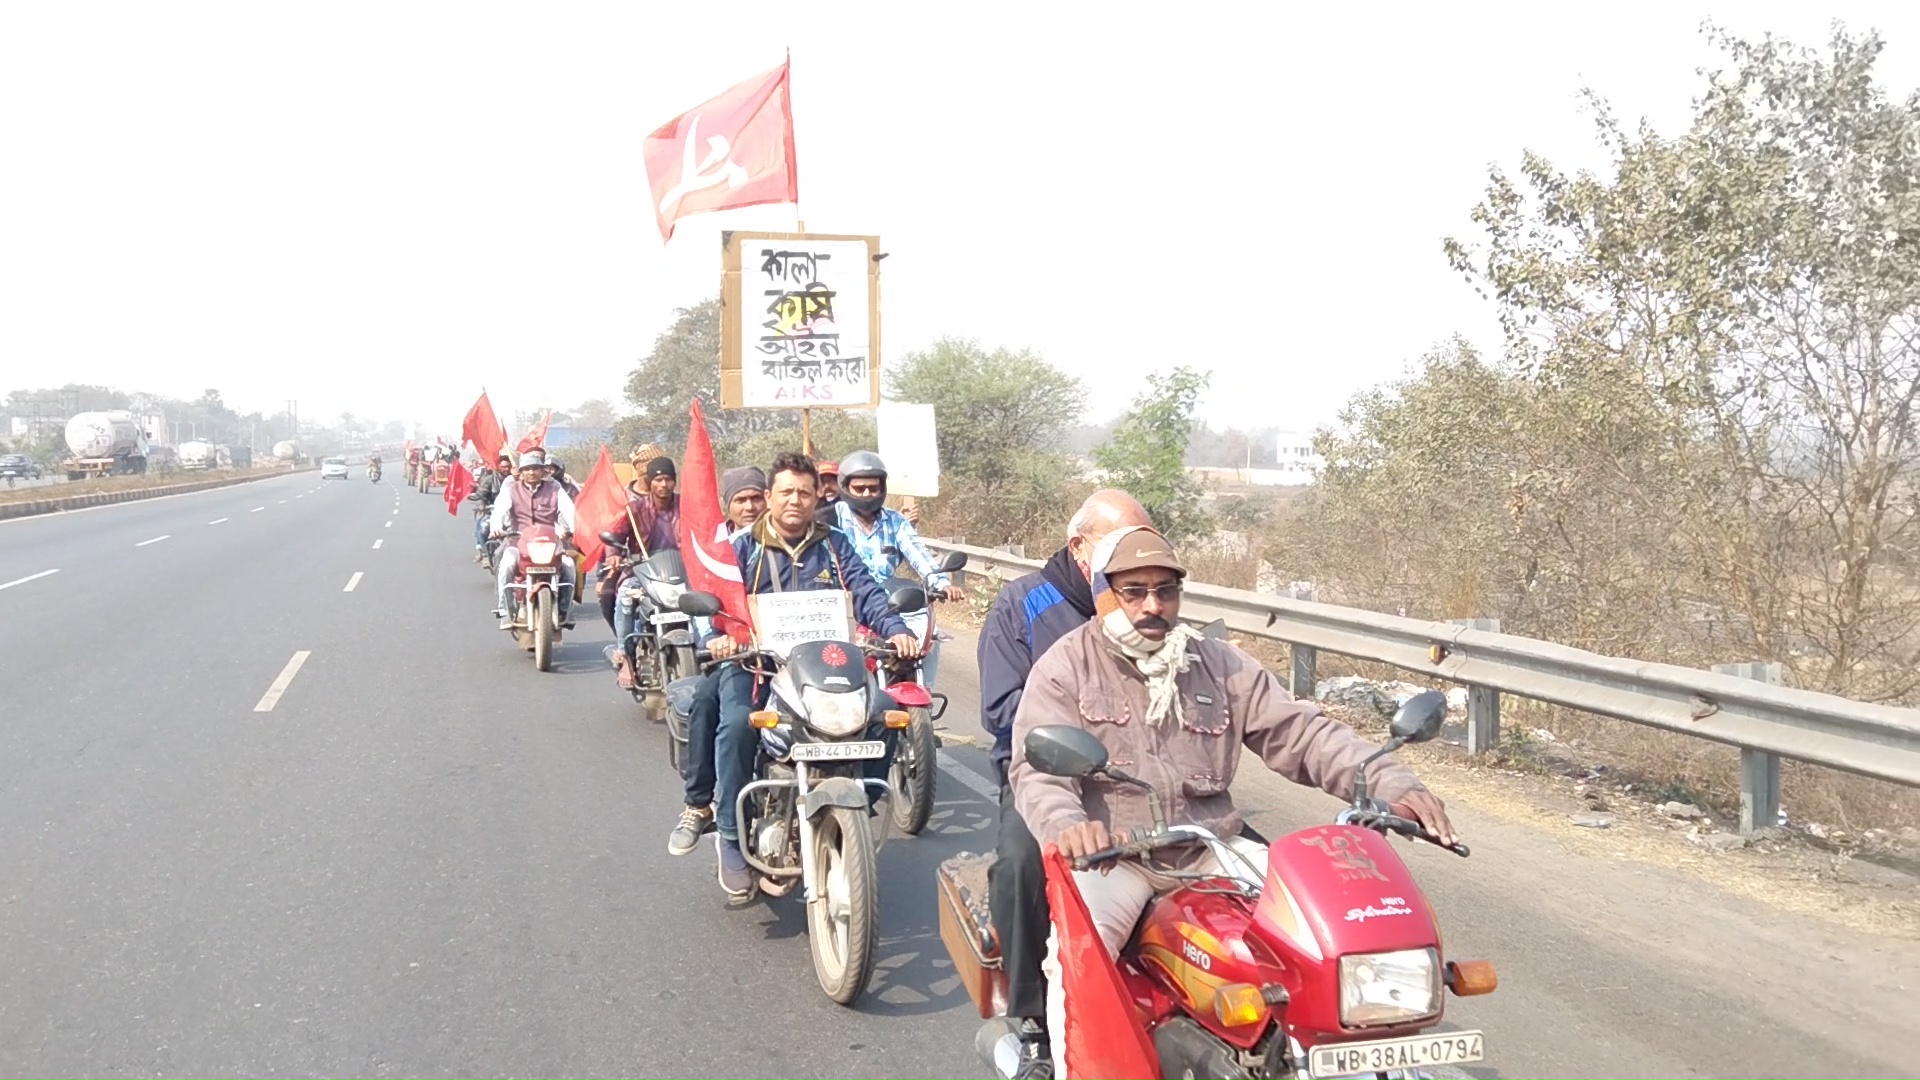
(379, 207)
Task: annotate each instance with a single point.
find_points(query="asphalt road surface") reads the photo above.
(276, 799)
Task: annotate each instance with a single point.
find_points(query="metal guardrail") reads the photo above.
(1766, 722)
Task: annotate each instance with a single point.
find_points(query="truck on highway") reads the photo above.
(105, 444)
(286, 450)
(196, 455)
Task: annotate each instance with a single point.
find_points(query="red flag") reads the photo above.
(535, 435)
(713, 567)
(483, 430)
(735, 150)
(601, 503)
(1104, 1037)
(459, 486)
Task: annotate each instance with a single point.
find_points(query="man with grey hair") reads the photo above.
(1028, 616)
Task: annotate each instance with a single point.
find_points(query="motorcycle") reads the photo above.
(661, 645)
(1329, 964)
(804, 816)
(373, 472)
(911, 777)
(490, 547)
(533, 596)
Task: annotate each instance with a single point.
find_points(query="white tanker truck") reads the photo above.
(105, 444)
(196, 455)
(286, 450)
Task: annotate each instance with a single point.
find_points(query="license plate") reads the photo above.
(1420, 1051)
(669, 618)
(838, 751)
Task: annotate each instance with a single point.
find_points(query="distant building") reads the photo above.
(1293, 454)
(41, 428)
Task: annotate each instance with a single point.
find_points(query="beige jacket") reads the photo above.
(1227, 699)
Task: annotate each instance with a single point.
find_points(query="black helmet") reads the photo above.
(863, 465)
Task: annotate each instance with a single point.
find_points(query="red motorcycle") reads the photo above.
(1328, 964)
(534, 592)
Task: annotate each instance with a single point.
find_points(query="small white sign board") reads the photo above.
(785, 619)
(909, 447)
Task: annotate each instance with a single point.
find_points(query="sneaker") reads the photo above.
(694, 823)
(1036, 1053)
(734, 876)
(506, 620)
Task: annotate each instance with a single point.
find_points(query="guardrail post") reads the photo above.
(1759, 770)
(1483, 719)
(1305, 658)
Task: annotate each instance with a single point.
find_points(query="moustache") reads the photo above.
(1152, 622)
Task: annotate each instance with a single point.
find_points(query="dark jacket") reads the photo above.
(489, 486)
(823, 559)
(1028, 616)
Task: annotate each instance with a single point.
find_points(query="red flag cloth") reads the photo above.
(459, 486)
(601, 502)
(482, 429)
(735, 150)
(536, 435)
(1104, 1036)
(713, 567)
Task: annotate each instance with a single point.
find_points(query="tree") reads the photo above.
(997, 412)
(1146, 455)
(684, 365)
(595, 413)
(1727, 328)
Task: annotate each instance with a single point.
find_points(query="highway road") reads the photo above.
(276, 799)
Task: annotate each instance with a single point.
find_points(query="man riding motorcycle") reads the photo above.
(532, 499)
(653, 520)
(884, 537)
(826, 508)
(557, 472)
(743, 492)
(789, 551)
(1173, 708)
(487, 489)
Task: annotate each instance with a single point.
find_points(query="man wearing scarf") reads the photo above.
(1173, 708)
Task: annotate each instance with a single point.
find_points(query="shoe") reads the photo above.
(506, 620)
(734, 876)
(1036, 1053)
(695, 821)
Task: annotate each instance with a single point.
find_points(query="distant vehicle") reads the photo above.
(105, 444)
(332, 467)
(18, 466)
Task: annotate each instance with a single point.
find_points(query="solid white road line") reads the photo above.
(969, 779)
(155, 540)
(272, 696)
(352, 581)
(216, 521)
(377, 543)
(29, 577)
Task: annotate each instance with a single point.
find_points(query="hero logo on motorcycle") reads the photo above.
(1196, 955)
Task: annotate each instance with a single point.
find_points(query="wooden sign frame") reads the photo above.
(732, 348)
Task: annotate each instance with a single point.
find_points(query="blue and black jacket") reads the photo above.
(1028, 616)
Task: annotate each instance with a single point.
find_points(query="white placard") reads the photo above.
(804, 323)
(909, 447)
(785, 619)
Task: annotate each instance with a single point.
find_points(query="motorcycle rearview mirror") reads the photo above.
(955, 560)
(703, 605)
(607, 536)
(1418, 720)
(1065, 750)
(907, 598)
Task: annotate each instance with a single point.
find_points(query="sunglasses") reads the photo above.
(1135, 594)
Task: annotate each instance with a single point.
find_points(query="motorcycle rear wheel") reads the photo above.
(912, 775)
(542, 617)
(843, 925)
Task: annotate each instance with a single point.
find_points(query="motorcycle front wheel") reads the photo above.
(843, 925)
(542, 631)
(911, 776)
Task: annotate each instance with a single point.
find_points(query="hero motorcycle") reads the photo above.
(805, 815)
(534, 594)
(911, 778)
(660, 647)
(1329, 964)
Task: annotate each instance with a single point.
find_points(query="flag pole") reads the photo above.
(806, 415)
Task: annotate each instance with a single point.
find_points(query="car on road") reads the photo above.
(18, 466)
(332, 467)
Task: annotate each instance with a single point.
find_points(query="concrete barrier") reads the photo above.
(33, 507)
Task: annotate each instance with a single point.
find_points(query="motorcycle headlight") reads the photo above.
(835, 714)
(667, 594)
(541, 551)
(1389, 988)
